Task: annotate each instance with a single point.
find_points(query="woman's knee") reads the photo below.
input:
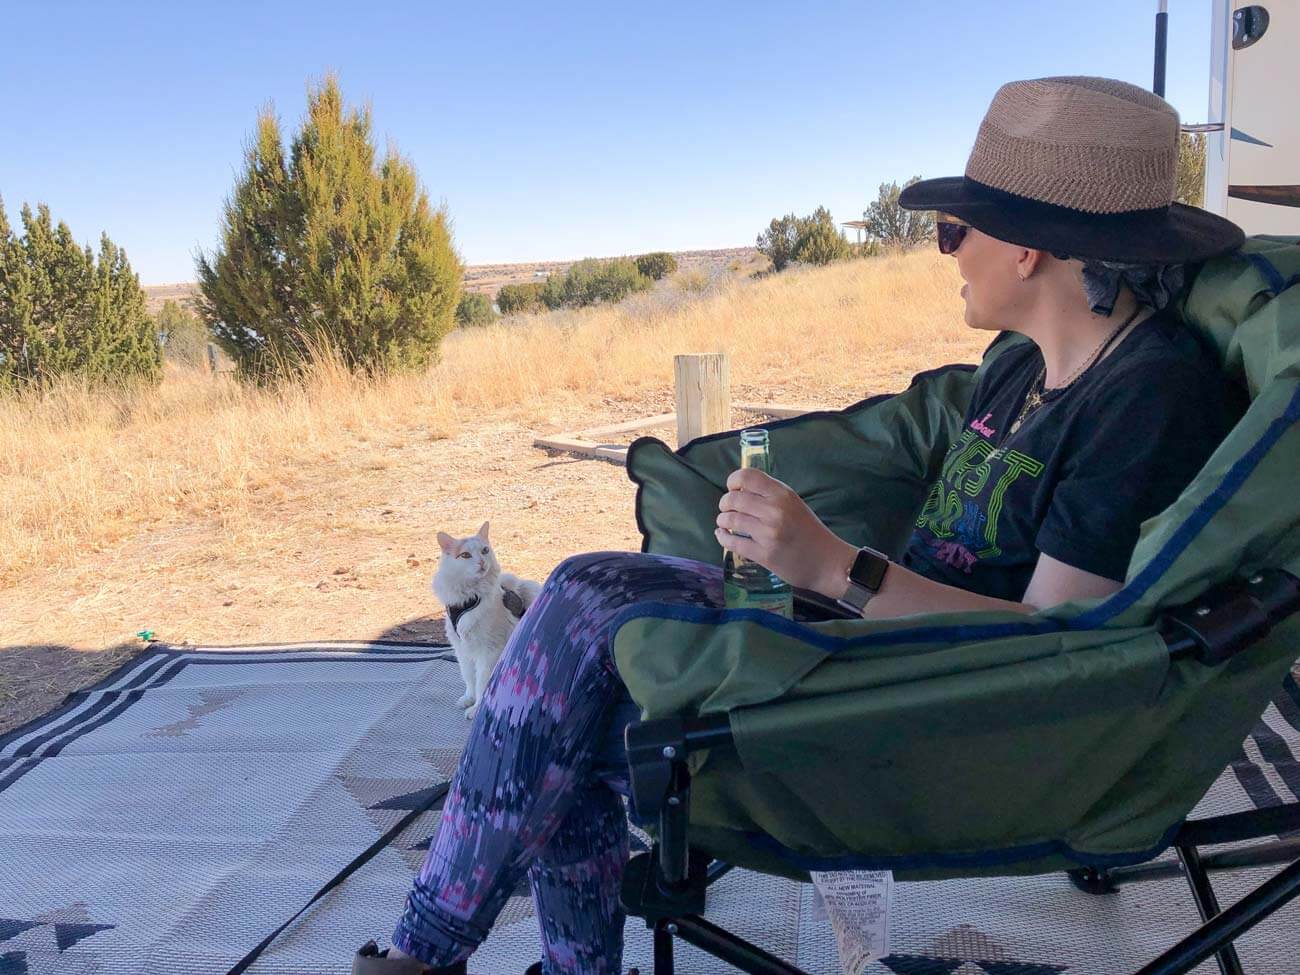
(589, 564)
(628, 574)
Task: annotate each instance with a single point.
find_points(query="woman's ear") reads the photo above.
(1027, 262)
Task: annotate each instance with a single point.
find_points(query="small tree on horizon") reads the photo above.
(514, 299)
(474, 310)
(890, 224)
(65, 310)
(809, 240)
(819, 241)
(656, 265)
(326, 246)
(778, 240)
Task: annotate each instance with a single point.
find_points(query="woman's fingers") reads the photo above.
(747, 502)
(753, 480)
(746, 548)
(736, 521)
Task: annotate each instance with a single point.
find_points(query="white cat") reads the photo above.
(483, 605)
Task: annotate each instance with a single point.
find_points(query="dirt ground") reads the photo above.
(363, 573)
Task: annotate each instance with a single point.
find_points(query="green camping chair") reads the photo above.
(1077, 739)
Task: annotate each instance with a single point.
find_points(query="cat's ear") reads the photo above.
(445, 541)
(483, 532)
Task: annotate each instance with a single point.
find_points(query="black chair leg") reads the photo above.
(1228, 925)
(663, 947)
(1207, 905)
(731, 949)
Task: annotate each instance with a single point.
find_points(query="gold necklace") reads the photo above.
(1034, 399)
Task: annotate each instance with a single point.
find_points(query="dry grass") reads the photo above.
(87, 473)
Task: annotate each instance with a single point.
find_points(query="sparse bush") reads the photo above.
(474, 310)
(65, 312)
(692, 282)
(819, 242)
(868, 248)
(552, 293)
(890, 224)
(590, 281)
(514, 299)
(779, 239)
(183, 337)
(656, 266)
(324, 247)
(812, 240)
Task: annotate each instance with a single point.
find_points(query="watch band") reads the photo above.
(864, 579)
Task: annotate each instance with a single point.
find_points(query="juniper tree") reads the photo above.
(65, 310)
(329, 243)
(819, 241)
(810, 240)
(778, 240)
(889, 223)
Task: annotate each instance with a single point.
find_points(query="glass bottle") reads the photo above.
(746, 584)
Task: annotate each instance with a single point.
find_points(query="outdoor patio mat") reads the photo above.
(170, 818)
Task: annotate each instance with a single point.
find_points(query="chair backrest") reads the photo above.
(1230, 305)
(1071, 732)
(1241, 511)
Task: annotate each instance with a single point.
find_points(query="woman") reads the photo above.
(1064, 230)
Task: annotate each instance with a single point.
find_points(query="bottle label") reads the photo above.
(738, 597)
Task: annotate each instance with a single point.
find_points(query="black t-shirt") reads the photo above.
(1082, 472)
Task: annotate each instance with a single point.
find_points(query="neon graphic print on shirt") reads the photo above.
(961, 516)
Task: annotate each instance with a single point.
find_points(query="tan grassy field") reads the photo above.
(212, 513)
(488, 278)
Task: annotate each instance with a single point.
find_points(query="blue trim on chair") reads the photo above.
(825, 641)
(1271, 274)
(1276, 285)
(946, 861)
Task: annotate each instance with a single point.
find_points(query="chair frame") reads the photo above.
(667, 886)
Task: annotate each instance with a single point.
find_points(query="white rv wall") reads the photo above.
(1254, 92)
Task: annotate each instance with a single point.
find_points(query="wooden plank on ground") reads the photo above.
(584, 448)
(662, 420)
(783, 410)
(584, 442)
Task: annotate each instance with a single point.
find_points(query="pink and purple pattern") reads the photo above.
(538, 787)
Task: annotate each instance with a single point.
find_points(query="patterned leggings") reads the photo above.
(538, 785)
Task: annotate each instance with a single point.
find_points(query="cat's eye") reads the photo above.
(463, 555)
(485, 551)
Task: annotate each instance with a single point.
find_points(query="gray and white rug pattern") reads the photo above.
(171, 817)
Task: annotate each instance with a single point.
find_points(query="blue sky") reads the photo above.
(552, 131)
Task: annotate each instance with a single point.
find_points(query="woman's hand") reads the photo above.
(784, 534)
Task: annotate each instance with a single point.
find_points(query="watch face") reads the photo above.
(869, 569)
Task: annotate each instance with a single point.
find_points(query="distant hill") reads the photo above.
(488, 278)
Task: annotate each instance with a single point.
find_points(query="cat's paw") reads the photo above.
(470, 712)
(465, 701)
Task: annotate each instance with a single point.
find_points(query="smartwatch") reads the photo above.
(864, 579)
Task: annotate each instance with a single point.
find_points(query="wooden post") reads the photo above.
(703, 395)
(212, 358)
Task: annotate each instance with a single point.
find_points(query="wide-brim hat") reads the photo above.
(1079, 166)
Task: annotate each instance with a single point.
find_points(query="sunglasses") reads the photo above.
(949, 232)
